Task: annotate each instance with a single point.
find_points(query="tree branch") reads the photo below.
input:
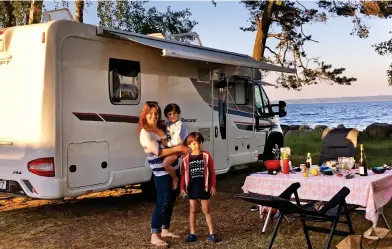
(307, 37)
(302, 5)
(276, 55)
(281, 36)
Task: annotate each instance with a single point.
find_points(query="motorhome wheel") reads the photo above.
(272, 147)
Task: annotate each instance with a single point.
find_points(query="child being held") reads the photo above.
(198, 181)
(176, 135)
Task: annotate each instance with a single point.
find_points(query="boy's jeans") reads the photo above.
(164, 206)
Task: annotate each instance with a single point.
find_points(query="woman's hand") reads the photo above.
(213, 191)
(164, 141)
(185, 149)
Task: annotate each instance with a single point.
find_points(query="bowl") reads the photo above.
(327, 172)
(378, 170)
(272, 165)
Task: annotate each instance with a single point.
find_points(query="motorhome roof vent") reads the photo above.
(58, 14)
(189, 38)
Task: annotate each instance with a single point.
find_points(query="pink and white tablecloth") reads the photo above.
(372, 191)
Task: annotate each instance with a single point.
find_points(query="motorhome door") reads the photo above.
(220, 119)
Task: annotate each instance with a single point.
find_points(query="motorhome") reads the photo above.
(71, 94)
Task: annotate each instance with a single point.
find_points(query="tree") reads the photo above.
(13, 13)
(134, 17)
(35, 14)
(79, 8)
(9, 15)
(289, 18)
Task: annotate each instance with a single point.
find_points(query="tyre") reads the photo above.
(273, 145)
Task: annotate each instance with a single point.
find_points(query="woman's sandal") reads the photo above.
(190, 238)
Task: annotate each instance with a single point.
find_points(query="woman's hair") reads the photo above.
(170, 108)
(194, 137)
(148, 106)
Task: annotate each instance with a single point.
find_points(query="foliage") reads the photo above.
(134, 17)
(20, 13)
(289, 18)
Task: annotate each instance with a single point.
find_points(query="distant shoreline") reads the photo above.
(381, 98)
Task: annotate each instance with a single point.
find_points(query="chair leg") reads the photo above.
(267, 220)
(335, 222)
(275, 230)
(349, 224)
(306, 234)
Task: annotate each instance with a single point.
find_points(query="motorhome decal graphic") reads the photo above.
(87, 116)
(106, 117)
(189, 120)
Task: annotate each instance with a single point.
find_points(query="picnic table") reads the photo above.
(371, 192)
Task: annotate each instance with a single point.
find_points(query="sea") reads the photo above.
(351, 114)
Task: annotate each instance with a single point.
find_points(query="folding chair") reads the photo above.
(330, 212)
(338, 142)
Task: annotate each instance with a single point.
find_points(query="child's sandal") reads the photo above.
(190, 238)
(213, 238)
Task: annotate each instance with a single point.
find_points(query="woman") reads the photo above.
(151, 135)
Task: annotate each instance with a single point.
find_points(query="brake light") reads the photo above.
(42, 166)
(1, 32)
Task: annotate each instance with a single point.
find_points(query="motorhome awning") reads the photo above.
(176, 49)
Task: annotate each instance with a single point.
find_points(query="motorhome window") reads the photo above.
(124, 82)
(240, 92)
(265, 101)
(258, 98)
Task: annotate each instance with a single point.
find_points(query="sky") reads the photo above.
(219, 27)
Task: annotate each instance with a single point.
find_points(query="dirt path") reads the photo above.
(121, 218)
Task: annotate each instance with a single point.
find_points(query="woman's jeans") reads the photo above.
(165, 200)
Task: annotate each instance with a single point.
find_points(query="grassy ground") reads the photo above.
(377, 151)
(120, 218)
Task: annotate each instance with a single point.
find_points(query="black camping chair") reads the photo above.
(330, 212)
(338, 142)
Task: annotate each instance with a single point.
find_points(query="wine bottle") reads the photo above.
(362, 163)
(308, 161)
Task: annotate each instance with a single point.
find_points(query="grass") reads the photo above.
(120, 218)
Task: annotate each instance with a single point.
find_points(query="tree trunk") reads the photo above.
(79, 8)
(28, 14)
(35, 12)
(9, 9)
(263, 26)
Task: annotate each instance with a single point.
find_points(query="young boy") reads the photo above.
(198, 181)
(176, 135)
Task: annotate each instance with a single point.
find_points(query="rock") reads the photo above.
(379, 130)
(297, 132)
(304, 128)
(285, 128)
(320, 127)
(340, 126)
(294, 127)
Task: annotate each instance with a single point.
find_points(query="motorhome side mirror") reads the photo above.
(282, 111)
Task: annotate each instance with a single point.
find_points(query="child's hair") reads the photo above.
(170, 108)
(194, 137)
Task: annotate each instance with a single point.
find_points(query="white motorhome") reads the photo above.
(71, 94)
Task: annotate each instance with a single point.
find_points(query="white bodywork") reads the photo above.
(54, 75)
